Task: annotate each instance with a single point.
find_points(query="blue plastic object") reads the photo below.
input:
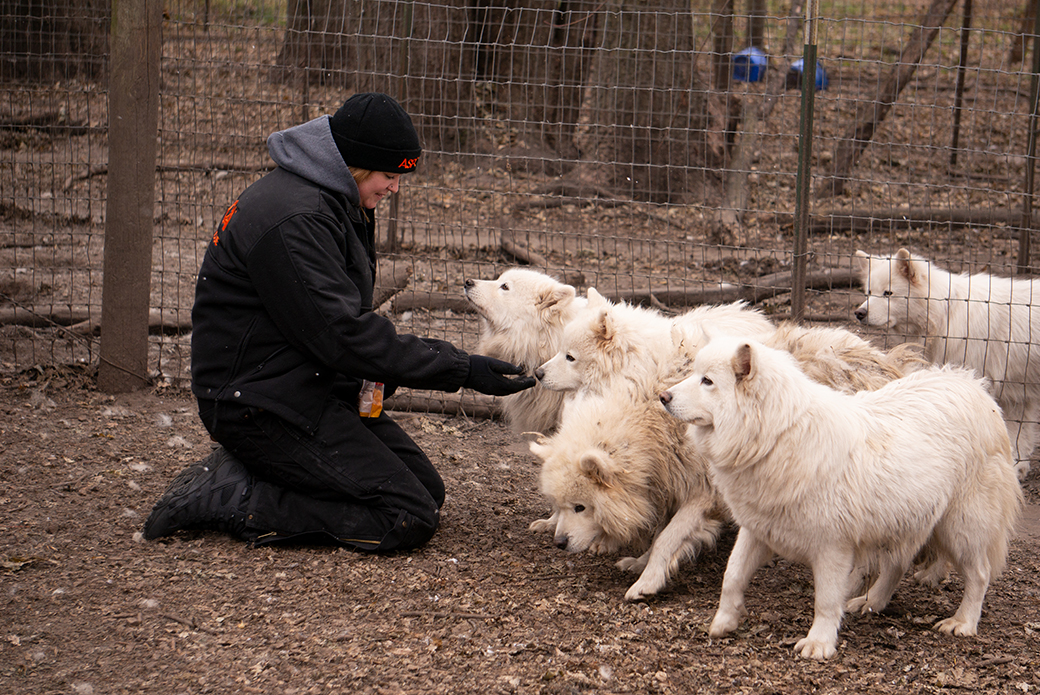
(794, 75)
(749, 65)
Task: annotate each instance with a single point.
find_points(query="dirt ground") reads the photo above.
(486, 607)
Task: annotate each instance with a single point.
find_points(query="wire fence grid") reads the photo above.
(631, 147)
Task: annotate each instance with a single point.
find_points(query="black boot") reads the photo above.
(210, 494)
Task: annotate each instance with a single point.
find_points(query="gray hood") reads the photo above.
(309, 151)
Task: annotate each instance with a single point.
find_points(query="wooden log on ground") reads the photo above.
(764, 287)
(468, 403)
(899, 218)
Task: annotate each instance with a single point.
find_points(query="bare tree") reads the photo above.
(53, 39)
(316, 44)
(647, 110)
(870, 114)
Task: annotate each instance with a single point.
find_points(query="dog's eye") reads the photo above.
(706, 380)
(570, 358)
(886, 293)
(504, 286)
(579, 508)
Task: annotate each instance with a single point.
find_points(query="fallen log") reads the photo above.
(466, 403)
(86, 320)
(899, 218)
(765, 287)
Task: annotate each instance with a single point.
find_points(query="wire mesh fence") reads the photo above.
(637, 148)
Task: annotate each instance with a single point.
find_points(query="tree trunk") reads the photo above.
(532, 59)
(729, 220)
(647, 111)
(756, 25)
(722, 56)
(316, 45)
(44, 40)
(420, 54)
(869, 115)
(1025, 33)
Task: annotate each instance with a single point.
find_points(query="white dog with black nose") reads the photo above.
(840, 482)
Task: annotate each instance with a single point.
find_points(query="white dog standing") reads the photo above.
(840, 481)
(522, 315)
(988, 323)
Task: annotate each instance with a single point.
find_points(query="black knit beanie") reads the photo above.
(373, 132)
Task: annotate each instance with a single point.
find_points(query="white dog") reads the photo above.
(609, 345)
(620, 473)
(842, 481)
(988, 323)
(522, 315)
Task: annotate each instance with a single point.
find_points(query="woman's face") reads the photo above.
(376, 187)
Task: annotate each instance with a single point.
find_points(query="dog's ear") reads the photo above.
(905, 266)
(558, 295)
(604, 328)
(861, 262)
(595, 465)
(595, 298)
(742, 362)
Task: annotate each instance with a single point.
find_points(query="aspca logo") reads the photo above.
(408, 163)
(224, 222)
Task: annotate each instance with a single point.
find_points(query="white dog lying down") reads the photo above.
(522, 315)
(988, 323)
(838, 481)
(619, 473)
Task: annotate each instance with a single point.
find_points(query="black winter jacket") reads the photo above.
(283, 303)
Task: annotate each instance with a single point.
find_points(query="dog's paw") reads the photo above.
(934, 574)
(858, 605)
(632, 564)
(604, 546)
(815, 649)
(542, 526)
(645, 586)
(954, 626)
(724, 623)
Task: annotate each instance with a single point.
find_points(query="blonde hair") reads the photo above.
(360, 175)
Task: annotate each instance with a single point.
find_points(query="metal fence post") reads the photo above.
(804, 180)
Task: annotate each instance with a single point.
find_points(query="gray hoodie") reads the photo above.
(309, 150)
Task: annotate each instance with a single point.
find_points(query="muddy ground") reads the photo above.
(485, 607)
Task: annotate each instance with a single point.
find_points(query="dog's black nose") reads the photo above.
(666, 397)
(539, 373)
(561, 542)
(468, 283)
(861, 315)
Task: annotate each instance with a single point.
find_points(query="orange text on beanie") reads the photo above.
(373, 132)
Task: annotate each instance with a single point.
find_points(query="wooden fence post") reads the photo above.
(133, 114)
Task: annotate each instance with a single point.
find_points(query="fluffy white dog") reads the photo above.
(619, 474)
(522, 315)
(609, 346)
(841, 481)
(988, 323)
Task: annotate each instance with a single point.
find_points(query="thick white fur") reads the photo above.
(609, 345)
(838, 481)
(620, 473)
(522, 315)
(841, 359)
(988, 323)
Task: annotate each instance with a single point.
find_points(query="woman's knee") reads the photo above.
(411, 530)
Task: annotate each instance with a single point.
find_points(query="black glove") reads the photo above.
(486, 376)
